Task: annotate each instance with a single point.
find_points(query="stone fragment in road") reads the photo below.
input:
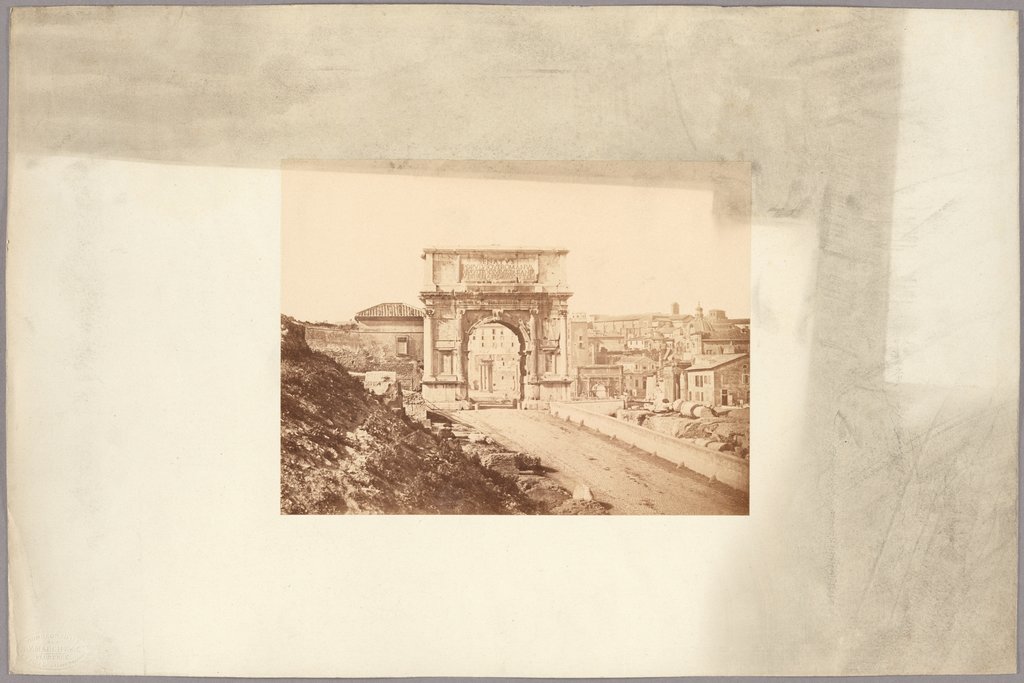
(582, 492)
(500, 462)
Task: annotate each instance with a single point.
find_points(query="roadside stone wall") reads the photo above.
(724, 467)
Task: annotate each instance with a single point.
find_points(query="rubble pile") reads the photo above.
(529, 474)
(726, 434)
(725, 430)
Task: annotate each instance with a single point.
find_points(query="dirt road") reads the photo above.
(631, 481)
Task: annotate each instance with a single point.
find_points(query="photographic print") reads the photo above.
(517, 338)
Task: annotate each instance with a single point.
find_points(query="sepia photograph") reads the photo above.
(517, 338)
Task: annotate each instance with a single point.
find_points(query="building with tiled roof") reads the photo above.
(389, 310)
(710, 362)
(719, 380)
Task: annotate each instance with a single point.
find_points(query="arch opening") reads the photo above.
(495, 362)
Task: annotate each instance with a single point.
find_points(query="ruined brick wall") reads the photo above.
(362, 350)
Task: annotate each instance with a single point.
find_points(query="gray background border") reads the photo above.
(1016, 5)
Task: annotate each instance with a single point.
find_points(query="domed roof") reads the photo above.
(700, 324)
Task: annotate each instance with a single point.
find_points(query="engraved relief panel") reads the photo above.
(513, 269)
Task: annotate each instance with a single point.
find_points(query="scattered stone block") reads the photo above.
(689, 408)
(704, 411)
(504, 462)
(730, 430)
(582, 492)
(527, 462)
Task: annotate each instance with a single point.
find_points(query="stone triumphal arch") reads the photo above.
(522, 290)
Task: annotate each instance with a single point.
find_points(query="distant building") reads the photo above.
(394, 326)
(494, 362)
(605, 344)
(637, 344)
(637, 363)
(719, 380)
(635, 371)
(607, 355)
(598, 381)
(584, 349)
(725, 340)
(711, 334)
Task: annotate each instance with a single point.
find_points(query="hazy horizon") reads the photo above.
(351, 240)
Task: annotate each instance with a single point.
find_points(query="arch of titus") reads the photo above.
(522, 289)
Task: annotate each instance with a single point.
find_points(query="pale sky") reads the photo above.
(352, 240)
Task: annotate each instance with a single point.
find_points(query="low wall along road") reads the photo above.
(728, 469)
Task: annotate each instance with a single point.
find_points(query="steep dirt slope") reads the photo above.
(343, 450)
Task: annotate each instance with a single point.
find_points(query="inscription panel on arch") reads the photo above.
(498, 270)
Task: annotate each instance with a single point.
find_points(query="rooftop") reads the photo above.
(710, 362)
(390, 310)
(727, 332)
(632, 358)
